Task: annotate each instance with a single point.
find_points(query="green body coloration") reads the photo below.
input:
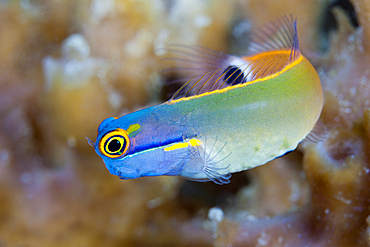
(257, 122)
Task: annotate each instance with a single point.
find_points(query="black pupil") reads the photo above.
(233, 75)
(114, 146)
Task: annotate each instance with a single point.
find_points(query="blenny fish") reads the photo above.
(234, 114)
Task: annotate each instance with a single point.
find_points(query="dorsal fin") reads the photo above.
(203, 70)
(277, 35)
(189, 61)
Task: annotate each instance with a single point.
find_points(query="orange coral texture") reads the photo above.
(66, 65)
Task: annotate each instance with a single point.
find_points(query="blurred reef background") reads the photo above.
(67, 65)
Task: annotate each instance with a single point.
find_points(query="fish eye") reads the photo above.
(115, 144)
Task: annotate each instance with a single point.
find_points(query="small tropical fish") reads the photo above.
(233, 115)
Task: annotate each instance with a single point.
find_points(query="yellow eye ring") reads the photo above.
(115, 143)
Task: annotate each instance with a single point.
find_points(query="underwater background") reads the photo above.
(67, 65)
